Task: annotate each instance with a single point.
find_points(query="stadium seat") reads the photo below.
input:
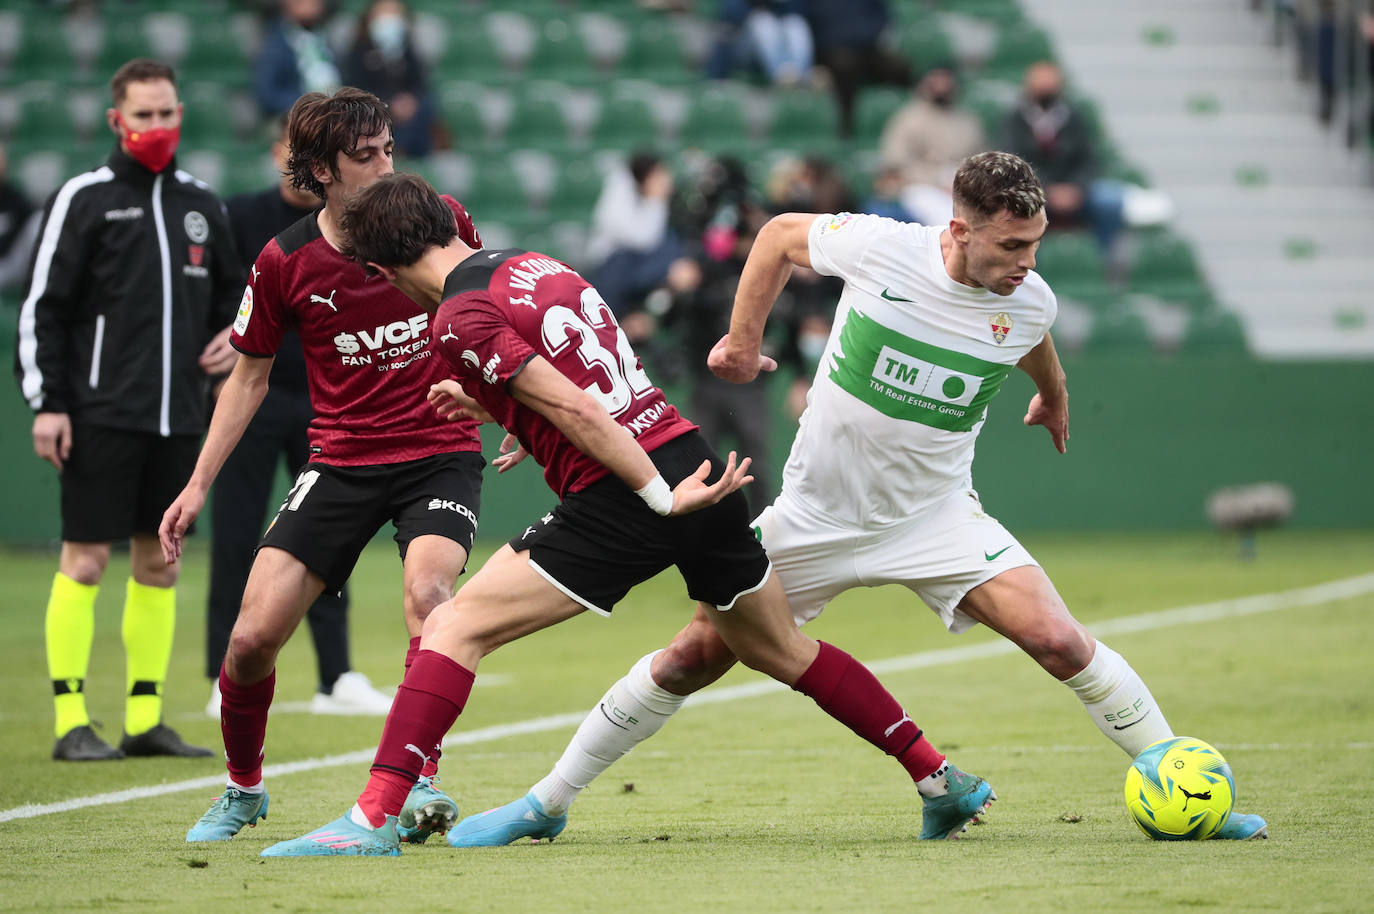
(716, 120)
(124, 39)
(45, 49)
(214, 53)
(926, 44)
(579, 185)
(538, 117)
(43, 116)
(800, 118)
(1214, 330)
(1073, 265)
(655, 51)
(470, 53)
(625, 121)
(871, 112)
(1164, 266)
(1018, 46)
(1119, 327)
(497, 191)
(463, 112)
(559, 51)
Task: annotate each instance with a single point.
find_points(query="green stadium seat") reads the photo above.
(1119, 327)
(1018, 46)
(1164, 266)
(469, 53)
(655, 51)
(626, 121)
(45, 49)
(926, 44)
(537, 117)
(1073, 265)
(43, 117)
(1214, 330)
(125, 38)
(460, 108)
(497, 191)
(559, 51)
(874, 106)
(579, 185)
(716, 120)
(801, 118)
(215, 54)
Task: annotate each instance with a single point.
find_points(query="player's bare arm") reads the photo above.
(591, 429)
(52, 437)
(238, 402)
(1050, 405)
(781, 244)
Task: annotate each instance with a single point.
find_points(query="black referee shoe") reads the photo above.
(80, 744)
(161, 740)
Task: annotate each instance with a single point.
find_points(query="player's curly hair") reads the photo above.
(393, 221)
(320, 126)
(990, 182)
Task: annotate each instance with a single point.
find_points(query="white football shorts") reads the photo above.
(940, 555)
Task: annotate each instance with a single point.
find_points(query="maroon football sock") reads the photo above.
(432, 763)
(243, 721)
(427, 703)
(848, 692)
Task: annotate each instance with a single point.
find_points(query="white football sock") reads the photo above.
(935, 784)
(1118, 701)
(358, 817)
(256, 788)
(633, 710)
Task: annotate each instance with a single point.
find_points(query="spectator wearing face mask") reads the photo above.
(924, 141)
(383, 61)
(295, 58)
(1050, 133)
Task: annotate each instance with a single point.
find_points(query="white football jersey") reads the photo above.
(912, 361)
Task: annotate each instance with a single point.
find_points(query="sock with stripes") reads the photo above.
(69, 627)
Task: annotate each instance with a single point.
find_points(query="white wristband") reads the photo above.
(657, 495)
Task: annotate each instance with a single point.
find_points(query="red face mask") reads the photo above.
(152, 149)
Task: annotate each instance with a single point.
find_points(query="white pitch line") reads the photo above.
(1316, 595)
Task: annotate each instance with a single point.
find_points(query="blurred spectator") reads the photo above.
(885, 197)
(383, 61)
(925, 140)
(631, 242)
(19, 221)
(772, 35)
(808, 185)
(850, 45)
(702, 295)
(1052, 135)
(295, 57)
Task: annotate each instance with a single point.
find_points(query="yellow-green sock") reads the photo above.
(149, 619)
(70, 628)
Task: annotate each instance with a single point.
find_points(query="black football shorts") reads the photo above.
(119, 482)
(332, 512)
(603, 540)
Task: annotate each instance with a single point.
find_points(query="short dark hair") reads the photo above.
(138, 70)
(320, 126)
(990, 182)
(394, 220)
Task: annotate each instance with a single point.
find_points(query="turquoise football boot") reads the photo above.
(427, 810)
(227, 816)
(1242, 827)
(342, 838)
(949, 815)
(522, 818)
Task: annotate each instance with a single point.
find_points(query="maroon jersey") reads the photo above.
(503, 308)
(368, 351)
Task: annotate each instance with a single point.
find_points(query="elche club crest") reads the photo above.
(1001, 326)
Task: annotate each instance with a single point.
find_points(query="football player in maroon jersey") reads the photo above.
(377, 450)
(535, 349)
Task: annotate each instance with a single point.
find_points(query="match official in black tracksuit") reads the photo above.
(277, 433)
(132, 287)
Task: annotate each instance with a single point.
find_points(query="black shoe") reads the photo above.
(161, 740)
(80, 744)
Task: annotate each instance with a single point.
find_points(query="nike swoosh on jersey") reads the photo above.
(893, 297)
(995, 554)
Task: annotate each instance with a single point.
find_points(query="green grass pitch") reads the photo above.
(758, 803)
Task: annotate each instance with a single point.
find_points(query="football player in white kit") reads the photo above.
(877, 489)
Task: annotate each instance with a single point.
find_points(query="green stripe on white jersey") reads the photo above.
(914, 381)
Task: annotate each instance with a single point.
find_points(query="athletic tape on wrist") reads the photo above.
(657, 495)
